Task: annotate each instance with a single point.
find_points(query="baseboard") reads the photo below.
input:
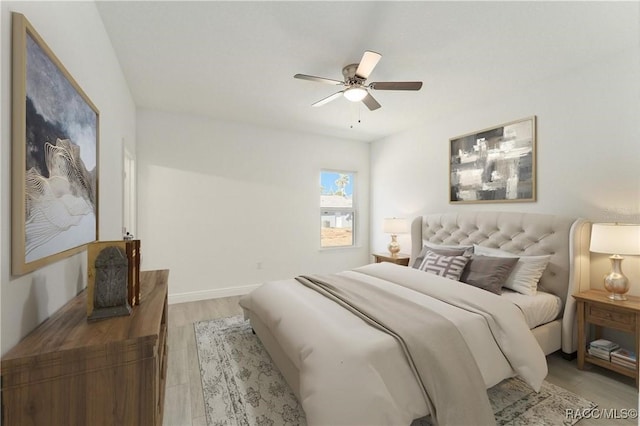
(216, 293)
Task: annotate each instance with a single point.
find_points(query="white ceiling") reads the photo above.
(236, 60)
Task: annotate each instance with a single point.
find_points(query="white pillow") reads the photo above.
(525, 275)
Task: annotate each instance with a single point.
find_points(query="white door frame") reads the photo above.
(129, 211)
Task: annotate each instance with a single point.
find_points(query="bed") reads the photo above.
(344, 371)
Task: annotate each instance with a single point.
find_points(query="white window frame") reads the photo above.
(353, 210)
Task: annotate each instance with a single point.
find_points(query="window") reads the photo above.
(337, 209)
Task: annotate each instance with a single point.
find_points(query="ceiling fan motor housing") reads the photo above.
(349, 73)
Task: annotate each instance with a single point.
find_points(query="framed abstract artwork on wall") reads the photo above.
(55, 132)
(497, 164)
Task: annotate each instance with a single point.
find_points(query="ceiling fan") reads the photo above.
(355, 76)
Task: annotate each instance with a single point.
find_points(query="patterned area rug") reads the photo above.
(241, 385)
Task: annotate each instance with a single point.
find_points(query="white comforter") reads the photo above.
(353, 374)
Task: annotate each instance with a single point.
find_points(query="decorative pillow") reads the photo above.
(441, 249)
(445, 266)
(525, 275)
(488, 273)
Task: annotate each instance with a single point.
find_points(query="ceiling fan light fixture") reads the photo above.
(355, 94)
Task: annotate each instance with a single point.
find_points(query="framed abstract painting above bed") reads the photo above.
(497, 164)
(55, 129)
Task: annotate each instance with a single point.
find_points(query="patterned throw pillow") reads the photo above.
(445, 266)
(443, 250)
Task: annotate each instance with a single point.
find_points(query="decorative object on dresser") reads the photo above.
(398, 259)
(395, 226)
(54, 156)
(113, 285)
(616, 239)
(494, 165)
(597, 309)
(72, 372)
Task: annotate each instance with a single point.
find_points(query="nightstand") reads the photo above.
(594, 307)
(400, 259)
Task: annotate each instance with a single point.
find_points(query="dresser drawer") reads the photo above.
(603, 315)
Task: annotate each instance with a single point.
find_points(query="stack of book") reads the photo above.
(624, 357)
(602, 348)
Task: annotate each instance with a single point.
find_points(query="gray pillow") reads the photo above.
(525, 275)
(488, 273)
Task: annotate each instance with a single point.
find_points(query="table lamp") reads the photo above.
(616, 239)
(394, 226)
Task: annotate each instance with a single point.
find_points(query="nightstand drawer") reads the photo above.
(603, 315)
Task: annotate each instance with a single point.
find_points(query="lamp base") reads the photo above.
(394, 247)
(616, 283)
(617, 296)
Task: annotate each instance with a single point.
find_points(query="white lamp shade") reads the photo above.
(395, 226)
(615, 238)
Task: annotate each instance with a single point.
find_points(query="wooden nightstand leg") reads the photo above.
(582, 344)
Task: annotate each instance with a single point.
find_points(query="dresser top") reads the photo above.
(68, 329)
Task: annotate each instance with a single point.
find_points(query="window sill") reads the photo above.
(339, 248)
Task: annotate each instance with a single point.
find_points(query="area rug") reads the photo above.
(241, 386)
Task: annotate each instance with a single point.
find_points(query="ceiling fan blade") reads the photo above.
(328, 99)
(371, 103)
(396, 85)
(367, 64)
(318, 79)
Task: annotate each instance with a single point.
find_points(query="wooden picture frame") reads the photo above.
(497, 164)
(55, 132)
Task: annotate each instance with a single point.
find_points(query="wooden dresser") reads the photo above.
(72, 372)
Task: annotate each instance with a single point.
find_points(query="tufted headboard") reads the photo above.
(565, 239)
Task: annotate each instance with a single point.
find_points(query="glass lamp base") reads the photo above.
(617, 296)
(616, 283)
(393, 246)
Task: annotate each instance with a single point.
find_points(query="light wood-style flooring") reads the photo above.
(184, 404)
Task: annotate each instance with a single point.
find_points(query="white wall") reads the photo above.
(74, 32)
(588, 152)
(225, 206)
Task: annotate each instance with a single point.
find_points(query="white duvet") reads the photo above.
(353, 374)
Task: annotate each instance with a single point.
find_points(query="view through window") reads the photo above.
(337, 209)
